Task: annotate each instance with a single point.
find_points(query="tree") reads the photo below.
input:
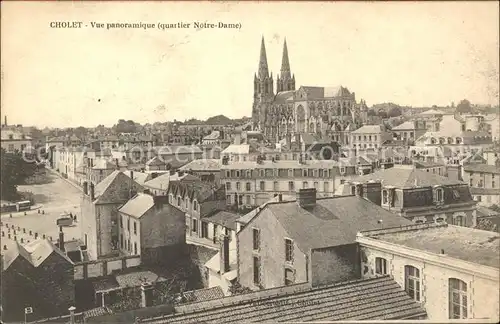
(372, 112)
(14, 170)
(394, 112)
(464, 106)
(382, 114)
(125, 126)
(486, 225)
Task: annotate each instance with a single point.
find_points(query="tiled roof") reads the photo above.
(483, 168)
(203, 165)
(371, 299)
(369, 129)
(459, 242)
(35, 252)
(223, 218)
(403, 176)
(281, 164)
(177, 149)
(332, 221)
(432, 112)
(138, 205)
(325, 92)
(102, 187)
(206, 294)
(249, 216)
(408, 125)
(5, 135)
(237, 149)
(101, 164)
(212, 136)
(139, 177)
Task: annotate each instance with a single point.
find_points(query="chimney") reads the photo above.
(85, 188)
(146, 294)
(180, 173)
(92, 193)
(159, 201)
(172, 172)
(280, 197)
(224, 254)
(116, 163)
(61, 239)
(372, 191)
(306, 198)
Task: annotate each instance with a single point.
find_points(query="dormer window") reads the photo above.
(439, 195)
(385, 197)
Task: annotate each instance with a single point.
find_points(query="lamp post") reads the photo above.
(72, 314)
(27, 310)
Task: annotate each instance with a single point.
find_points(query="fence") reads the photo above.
(104, 267)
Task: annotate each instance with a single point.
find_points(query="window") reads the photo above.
(135, 248)
(305, 185)
(459, 221)
(289, 277)
(326, 186)
(238, 186)
(11, 147)
(380, 266)
(128, 224)
(316, 185)
(135, 228)
(385, 197)
(275, 186)
(248, 186)
(478, 198)
(262, 185)
(248, 200)
(458, 298)
(237, 174)
(288, 250)
(412, 282)
(121, 241)
(178, 201)
(480, 183)
(291, 185)
(262, 173)
(195, 205)
(493, 181)
(228, 174)
(256, 239)
(256, 270)
(304, 173)
(342, 170)
(228, 199)
(228, 185)
(121, 222)
(195, 226)
(204, 229)
(439, 197)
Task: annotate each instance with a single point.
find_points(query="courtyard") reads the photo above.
(56, 197)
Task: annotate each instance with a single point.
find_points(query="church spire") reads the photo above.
(285, 63)
(263, 69)
(285, 81)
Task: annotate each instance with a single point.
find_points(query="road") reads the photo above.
(57, 197)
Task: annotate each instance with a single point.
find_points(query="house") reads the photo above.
(100, 170)
(370, 299)
(13, 141)
(308, 240)
(100, 204)
(250, 184)
(206, 169)
(417, 195)
(159, 185)
(213, 138)
(151, 228)
(36, 275)
(221, 268)
(484, 182)
(176, 156)
(408, 132)
(447, 269)
(196, 200)
(369, 137)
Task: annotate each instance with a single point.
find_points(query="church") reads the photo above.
(324, 111)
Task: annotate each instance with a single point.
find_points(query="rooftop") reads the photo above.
(372, 299)
(35, 253)
(138, 205)
(203, 165)
(407, 125)
(407, 176)
(482, 168)
(369, 129)
(223, 218)
(332, 221)
(281, 164)
(464, 243)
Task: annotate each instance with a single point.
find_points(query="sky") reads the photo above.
(411, 53)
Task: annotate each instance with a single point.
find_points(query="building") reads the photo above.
(160, 185)
(447, 269)
(151, 228)
(408, 132)
(250, 184)
(196, 199)
(369, 137)
(206, 169)
(371, 299)
(308, 240)
(484, 182)
(13, 141)
(303, 110)
(176, 156)
(417, 195)
(99, 210)
(36, 275)
(221, 268)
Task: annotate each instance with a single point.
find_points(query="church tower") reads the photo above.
(263, 87)
(285, 81)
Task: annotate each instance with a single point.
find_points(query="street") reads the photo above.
(57, 197)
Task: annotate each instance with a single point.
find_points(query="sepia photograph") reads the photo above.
(250, 161)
